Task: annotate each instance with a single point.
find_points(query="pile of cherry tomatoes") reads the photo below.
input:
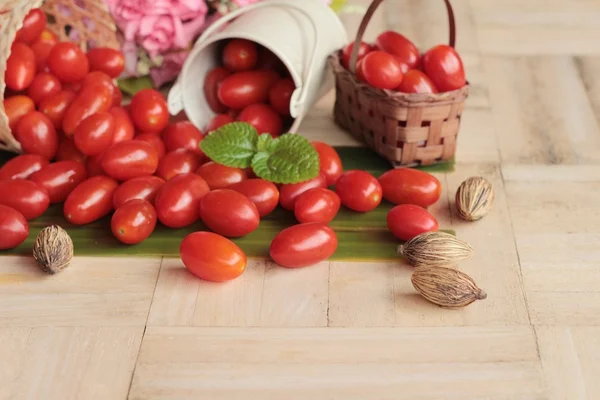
(393, 62)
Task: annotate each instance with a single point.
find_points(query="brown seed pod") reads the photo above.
(446, 287)
(474, 198)
(53, 249)
(435, 249)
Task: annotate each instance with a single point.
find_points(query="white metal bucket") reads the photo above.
(302, 33)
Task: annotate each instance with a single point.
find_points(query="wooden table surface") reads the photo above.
(146, 329)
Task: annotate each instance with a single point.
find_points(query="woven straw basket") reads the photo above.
(89, 18)
(406, 129)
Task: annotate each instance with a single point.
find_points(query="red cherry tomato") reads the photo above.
(211, 88)
(68, 151)
(68, 62)
(20, 67)
(444, 67)
(26, 197)
(219, 176)
(303, 245)
(43, 85)
(218, 121)
(317, 205)
(269, 60)
(245, 88)
(107, 60)
(407, 221)
(123, 126)
(133, 222)
(178, 162)
(22, 167)
(16, 107)
(144, 188)
(74, 87)
(264, 118)
(55, 107)
(99, 77)
(263, 194)
(288, 193)
(90, 100)
(13, 228)
(329, 161)
(360, 74)
(149, 111)
(381, 70)
(410, 186)
(95, 134)
(130, 159)
(281, 94)
(212, 257)
(37, 135)
(90, 200)
(229, 213)
(155, 141)
(33, 25)
(400, 47)
(363, 50)
(60, 179)
(416, 81)
(240, 55)
(359, 191)
(183, 135)
(93, 166)
(42, 50)
(178, 201)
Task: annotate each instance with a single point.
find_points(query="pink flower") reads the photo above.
(170, 68)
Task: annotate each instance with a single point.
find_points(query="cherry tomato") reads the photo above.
(400, 47)
(303, 245)
(46, 36)
(155, 141)
(130, 159)
(99, 77)
(240, 55)
(444, 67)
(245, 88)
(43, 85)
(55, 107)
(410, 186)
(178, 162)
(218, 121)
(416, 81)
(281, 94)
(22, 167)
(269, 60)
(42, 50)
(68, 151)
(211, 88)
(363, 50)
(329, 161)
(90, 100)
(37, 135)
(359, 191)
(288, 193)
(16, 107)
(93, 166)
(133, 222)
(264, 118)
(229, 213)
(407, 221)
(20, 67)
(317, 205)
(107, 60)
(183, 135)
(123, 126)
(381, 70)
(13, 228)
(219, 176)
(360, 74)
(178, 201)
(212, 257)
(33, 25)
(95, 134)
(68, 62)
(90, 200)
(26, 197)
(148, 110)
(74, 87)
(263, 194)
(144, 188)
(60, 179)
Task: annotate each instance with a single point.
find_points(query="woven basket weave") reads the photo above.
(406, 129)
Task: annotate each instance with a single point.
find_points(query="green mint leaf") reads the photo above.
(232, 145)
(265, 141)
(287, 159)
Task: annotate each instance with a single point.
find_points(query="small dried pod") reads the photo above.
(435, 249)
(53, 249)
(446, 287)
(474, 198)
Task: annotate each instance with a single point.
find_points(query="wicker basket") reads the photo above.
(406, 129)
(89, 18)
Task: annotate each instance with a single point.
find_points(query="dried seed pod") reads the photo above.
(435, 249)
(474, 198)
(446, 287)
(53, 249)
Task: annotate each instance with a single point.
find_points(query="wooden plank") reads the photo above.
(550, 173)
(13, 343)
(589, 69)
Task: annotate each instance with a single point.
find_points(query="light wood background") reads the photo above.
(146, 329)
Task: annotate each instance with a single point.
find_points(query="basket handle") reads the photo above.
(367, 18)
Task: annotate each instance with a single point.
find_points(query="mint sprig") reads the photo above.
(287, 159)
